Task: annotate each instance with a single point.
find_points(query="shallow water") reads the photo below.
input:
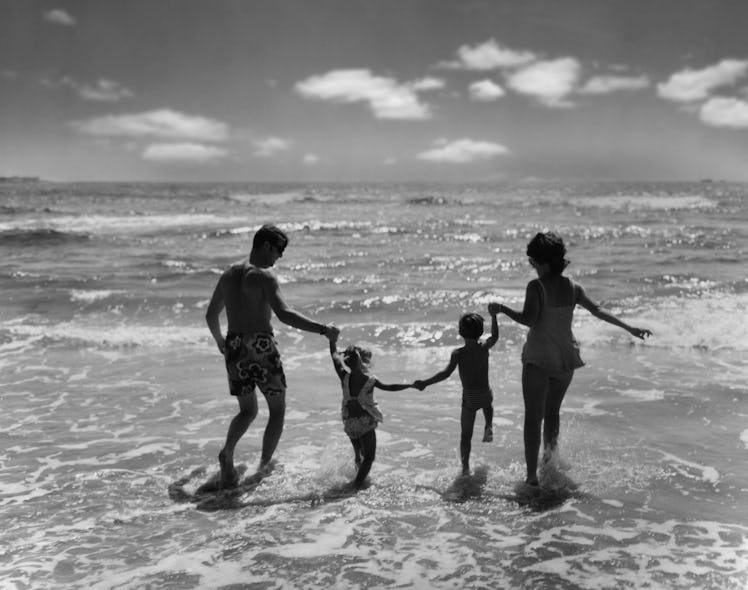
(115, 401)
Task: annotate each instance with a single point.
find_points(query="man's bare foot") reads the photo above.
(488, 433)
(229, 475)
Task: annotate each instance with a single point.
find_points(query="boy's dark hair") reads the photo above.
(471, 325)
(272, 234)
(548, 248)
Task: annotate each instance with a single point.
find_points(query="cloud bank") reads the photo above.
(387, 98)
(462, 151)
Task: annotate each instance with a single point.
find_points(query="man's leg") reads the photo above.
(237, 428)
(274, 428)
(534, 391)
(467, 421)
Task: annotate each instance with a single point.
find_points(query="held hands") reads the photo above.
(494, 308)
(640, 333)
(419, 385)
(331, 332)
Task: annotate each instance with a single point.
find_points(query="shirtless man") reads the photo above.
(250, 292)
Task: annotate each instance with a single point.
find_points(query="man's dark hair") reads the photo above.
(272, 234)
(548, 248)
(471, 325)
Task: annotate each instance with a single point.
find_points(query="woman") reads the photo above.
(551, 354)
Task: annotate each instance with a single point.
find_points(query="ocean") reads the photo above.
(115, 402)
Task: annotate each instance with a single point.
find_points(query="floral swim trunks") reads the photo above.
(253, 360)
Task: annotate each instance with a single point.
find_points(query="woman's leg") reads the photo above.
(557, 386)
(467, 421)
(534, 391)
(369, 451)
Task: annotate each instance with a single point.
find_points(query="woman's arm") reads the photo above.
(594, 309)
(531, 308)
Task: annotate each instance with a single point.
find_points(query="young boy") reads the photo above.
(472, 361)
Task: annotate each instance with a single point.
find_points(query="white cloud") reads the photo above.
(488, 56)
(162, 123)
(387, 98)
(550, 82)
(486, 91)
(9, 74)
(462, 151)
(102, 90)
(194, 153)
(610, 84)
(310, 159)
(725, 112)
(59, 17)
(269, 146)
(694, 85)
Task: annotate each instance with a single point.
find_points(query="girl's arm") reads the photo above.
(531, 308)
(441, 375)
(336, 362)
(594, 309)
(391, 386)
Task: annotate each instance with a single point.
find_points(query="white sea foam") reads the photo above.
(91, 295)
(645, 202)
(687, 469)
(744, 437)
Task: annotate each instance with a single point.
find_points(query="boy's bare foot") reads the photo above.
(488, 433)
(229, 475)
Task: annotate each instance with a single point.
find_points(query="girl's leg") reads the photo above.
(534, 392)
(369, 451)
(356, 451)
(467, 421)
(557, 387)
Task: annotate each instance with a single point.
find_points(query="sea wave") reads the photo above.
(39, 237)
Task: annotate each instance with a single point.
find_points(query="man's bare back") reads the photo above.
(247, 308)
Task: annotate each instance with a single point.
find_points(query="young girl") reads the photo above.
(359, 411)
(551, 354)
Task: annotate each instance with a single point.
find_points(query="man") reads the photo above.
(250, 292)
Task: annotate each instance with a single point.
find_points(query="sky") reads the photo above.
(374, 90)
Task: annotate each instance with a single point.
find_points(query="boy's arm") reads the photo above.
(529, 312)
(594, 309)
(216, 305)
(493, 309)
(441, 375)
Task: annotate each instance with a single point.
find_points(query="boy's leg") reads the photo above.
(274, 428)
(488, 415)
(467, 421)
(237, 428)
(534, 391)
(369, 452)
